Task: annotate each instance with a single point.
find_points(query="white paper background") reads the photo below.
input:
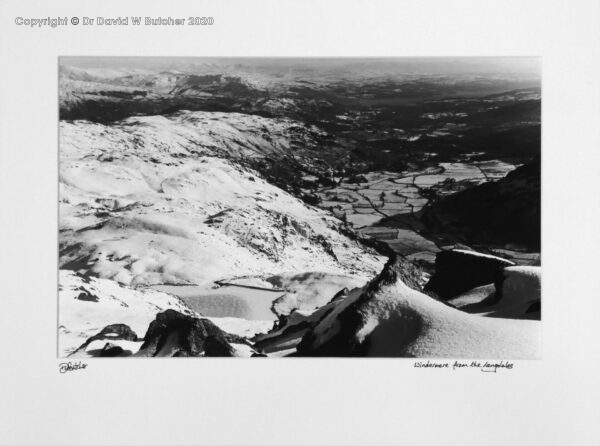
(301, 401)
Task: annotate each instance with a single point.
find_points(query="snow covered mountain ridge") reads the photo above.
(188, 226)
(163, 200)
(147, 202)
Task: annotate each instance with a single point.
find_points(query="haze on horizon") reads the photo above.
(514, 66)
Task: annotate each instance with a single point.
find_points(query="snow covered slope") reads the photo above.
(185, 134)
(518, 295)
(387, 318)
(142, 202)
(87, 305)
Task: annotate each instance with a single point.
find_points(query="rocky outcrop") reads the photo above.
(176, 334)
(348, 316)
(289, 331)
(458, 271)
(110, 333)
(122, 310)
(390, 319)
(87, 297)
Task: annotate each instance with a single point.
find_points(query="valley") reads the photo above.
(269, 197)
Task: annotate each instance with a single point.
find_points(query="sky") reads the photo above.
(525, 66)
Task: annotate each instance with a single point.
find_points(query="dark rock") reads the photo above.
(281, 322)
(535, 307)
(176, 334)
(311, 199)
(181, 354)
(356, 179)
(457, 271)
(341, 294)
(288, 334)
(114, 332)
(117, 331)
(86, 296)
(217, 346)
(111, 350)
(398, 268)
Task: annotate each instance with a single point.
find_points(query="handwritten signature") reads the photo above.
(65, 367)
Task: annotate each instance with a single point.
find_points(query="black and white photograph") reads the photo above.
(252, 207)
(299, 223)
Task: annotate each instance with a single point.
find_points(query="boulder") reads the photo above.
(114, 332)
(176, 334)
(86, 296)
(458, 271)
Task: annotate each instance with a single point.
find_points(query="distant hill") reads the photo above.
(503, 212)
